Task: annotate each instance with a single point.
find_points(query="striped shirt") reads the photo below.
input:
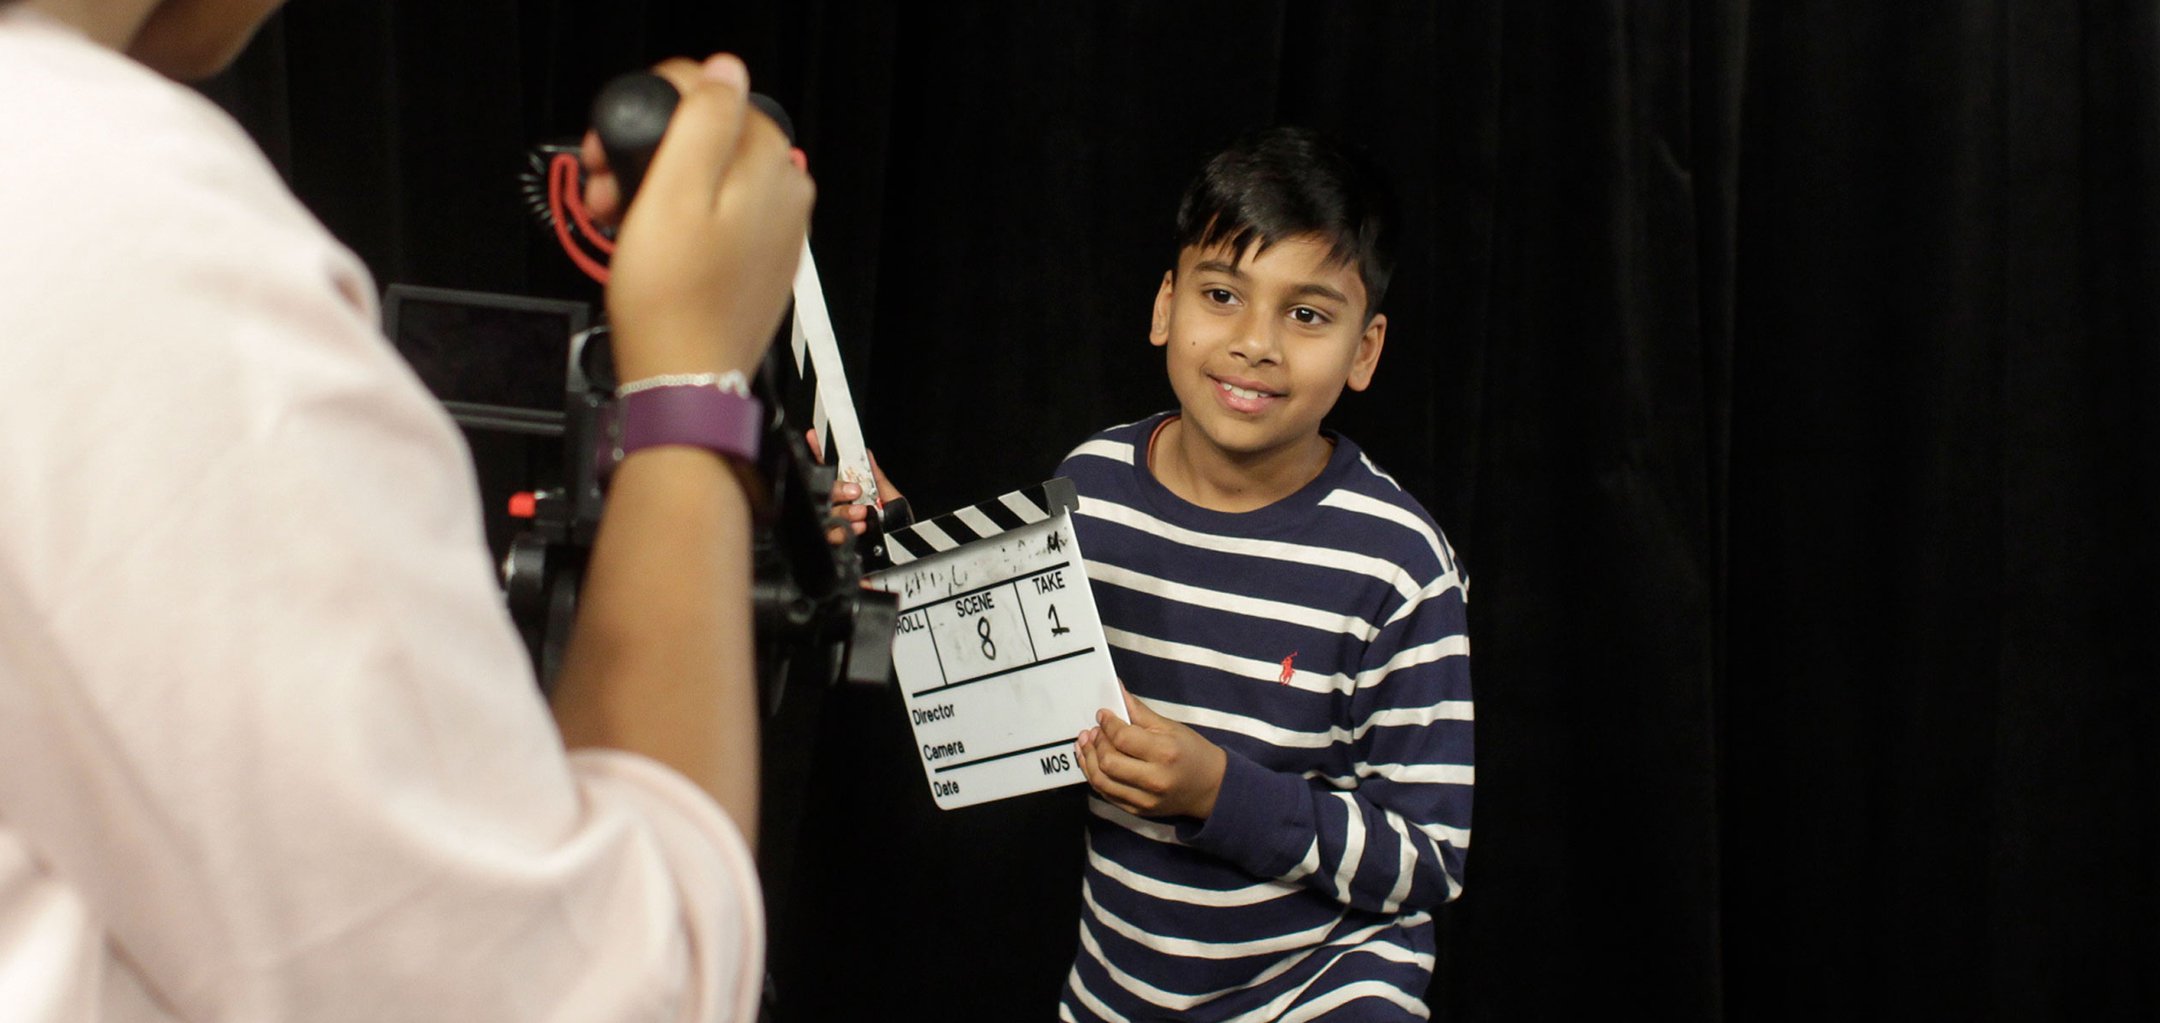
(1320, 642)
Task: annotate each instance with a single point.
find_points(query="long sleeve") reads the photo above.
(1320, 643)
(269, 746)
(1392, 835)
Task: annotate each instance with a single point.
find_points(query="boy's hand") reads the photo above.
(848, 518)
(1154, 767)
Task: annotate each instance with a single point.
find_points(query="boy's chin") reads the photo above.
(1239, 439)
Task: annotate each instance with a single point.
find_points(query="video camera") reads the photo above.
(485, 357)
(489, 358)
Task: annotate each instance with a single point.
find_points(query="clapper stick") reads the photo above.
(817, 359)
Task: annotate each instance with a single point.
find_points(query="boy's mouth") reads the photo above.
(1243, 395)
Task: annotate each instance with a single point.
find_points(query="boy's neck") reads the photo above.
(1202, 474)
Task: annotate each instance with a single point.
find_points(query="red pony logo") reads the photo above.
(1288, 668)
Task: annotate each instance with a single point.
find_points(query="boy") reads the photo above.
(1271, 832)
(274, 751)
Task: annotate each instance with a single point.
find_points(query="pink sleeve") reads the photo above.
(261, 710)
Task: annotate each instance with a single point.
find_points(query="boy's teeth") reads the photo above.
(1239, 391)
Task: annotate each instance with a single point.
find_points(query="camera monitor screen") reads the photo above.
(478, 349)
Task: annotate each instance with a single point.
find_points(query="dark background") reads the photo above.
(1786, 379)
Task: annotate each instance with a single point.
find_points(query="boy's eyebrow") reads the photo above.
(1302, 290)
(1322, 290)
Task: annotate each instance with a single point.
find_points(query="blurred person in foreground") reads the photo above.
(270, 747)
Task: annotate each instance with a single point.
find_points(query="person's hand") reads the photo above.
(705, 260)
(1154, 767)
(848, 518)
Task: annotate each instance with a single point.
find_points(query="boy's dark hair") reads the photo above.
(1286, 181)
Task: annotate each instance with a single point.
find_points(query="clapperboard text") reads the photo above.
(999, 652)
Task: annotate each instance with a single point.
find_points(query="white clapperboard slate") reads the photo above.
(999, 652)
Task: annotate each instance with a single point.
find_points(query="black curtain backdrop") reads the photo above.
(1787, 379)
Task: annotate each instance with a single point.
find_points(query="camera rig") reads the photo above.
(815, 624)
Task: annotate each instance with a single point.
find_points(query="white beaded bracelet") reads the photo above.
(733, 382)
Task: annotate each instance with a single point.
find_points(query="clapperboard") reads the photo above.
(1000, 656)
(999, 652)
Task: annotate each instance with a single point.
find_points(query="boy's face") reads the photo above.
(1260, 345)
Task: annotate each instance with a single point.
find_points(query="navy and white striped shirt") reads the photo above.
(1320, 642)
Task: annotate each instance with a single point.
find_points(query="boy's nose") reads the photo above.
(1259, 344)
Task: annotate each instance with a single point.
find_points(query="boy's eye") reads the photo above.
(1219, 296)
(1308, 315)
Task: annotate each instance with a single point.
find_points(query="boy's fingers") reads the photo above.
(1142, 715)
(1089, 767)
(1086, 756)
(885, 488)
(1104, 778)
(1130, 782)
(1131, 740)
(1134, 772)
(844, 524)
(1141, 744)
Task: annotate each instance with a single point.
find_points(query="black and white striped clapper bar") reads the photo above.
(1039, 503)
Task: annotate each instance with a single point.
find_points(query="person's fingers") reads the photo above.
(817, 450)
(592, 154)
(684, 73)
(705, 133)
(1142, 715)
(702, 268)
(603, 193)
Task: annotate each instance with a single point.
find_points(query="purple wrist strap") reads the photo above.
(698, 416)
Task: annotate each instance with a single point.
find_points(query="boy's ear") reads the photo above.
(1159, 328)
(1368, 353)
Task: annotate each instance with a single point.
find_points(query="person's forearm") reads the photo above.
(662, 661)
